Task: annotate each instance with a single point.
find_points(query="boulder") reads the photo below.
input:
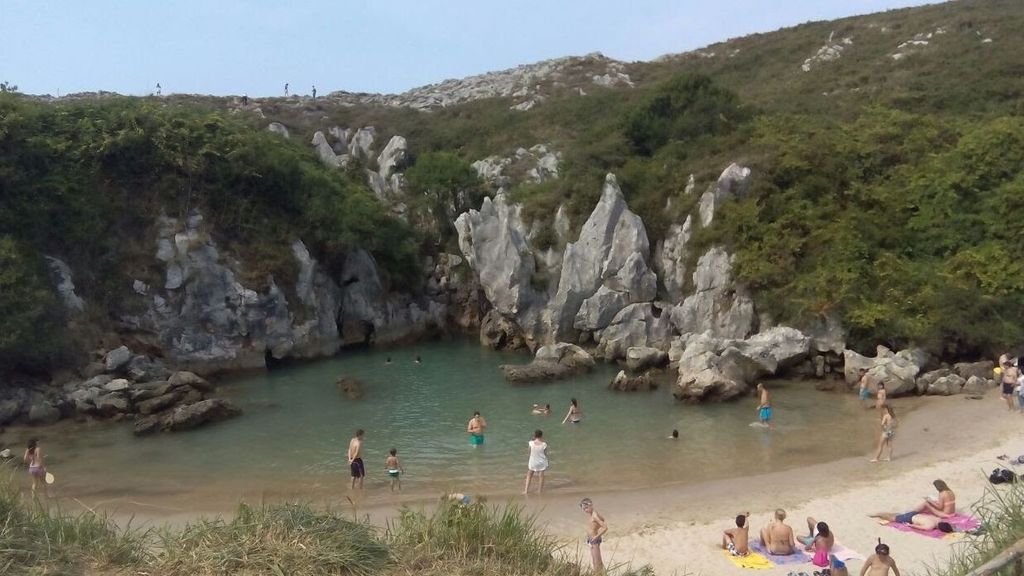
(393, 157)
(110, 404)
(894, 370)
(642, 357)
(148, 425)
(185, 378)
(361, 144)
(350, 387)
(159, 403)
(93, 369)
(827, 334)
(117, 358)
(42, 412)
(148, 390)
(982, 369)
(624, 382)
(9, 410)
(60, 272)
(925, 380)
(536, 372)
(324, 151)
(945, 385)
(278, 128)
(637, 325)
(96, 381)
(203, 412)
(83, 399)
(118, 385)
(976, 386)
(146, 369)
(717, 305)
(732, 183)
(566, 354)
(500, 333)
(776, 348)
(670, 257)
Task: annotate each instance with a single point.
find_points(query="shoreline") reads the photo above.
(953, 438)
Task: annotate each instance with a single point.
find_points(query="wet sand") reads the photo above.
(677, 528)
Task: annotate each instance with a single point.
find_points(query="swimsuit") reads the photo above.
(357, 468)
(766, 413)
(907, 518)
(596, 541)
(476, 439)
(865, 393)
(35, 470)
(393, 473)
(732, 550)
(1007, 388)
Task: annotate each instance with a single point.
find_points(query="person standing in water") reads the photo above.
(36, 466)
(596, 529)
(476, 427)
(575, 415)
(880, 397)
(764, 407)
(888, 433)
(538, 462)
(355, 459)
(394, 468)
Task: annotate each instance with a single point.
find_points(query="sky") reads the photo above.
(253, 47)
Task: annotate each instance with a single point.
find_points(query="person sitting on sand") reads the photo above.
(879, 563)
(944, 507)
(819, 540)
(735, 540)
(539, 409)
(674, 435)
(777, 536)
(916, 520)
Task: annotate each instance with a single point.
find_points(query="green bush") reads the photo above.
(440, 186)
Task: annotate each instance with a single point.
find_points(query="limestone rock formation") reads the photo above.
(643, 357)
(982, 369)
(199, 413)
(280, 129)
(351, 387)
(717, 305)
(392, 158)
(324, 151)
(117, 358)
(624, 382)
(733, 183)
(645, 324)
(670, 258)
(65, 284)
(551, 362)
(897, 372)
(361, 144)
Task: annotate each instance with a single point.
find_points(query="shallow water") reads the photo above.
(292, 438)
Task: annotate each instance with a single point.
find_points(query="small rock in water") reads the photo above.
(352, 388)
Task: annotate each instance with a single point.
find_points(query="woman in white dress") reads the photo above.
(538, 461)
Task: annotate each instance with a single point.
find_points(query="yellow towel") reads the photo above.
(753, 561)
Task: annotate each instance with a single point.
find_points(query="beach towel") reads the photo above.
(753, 561)
(798, 557)
(961, 522)
(845, 554)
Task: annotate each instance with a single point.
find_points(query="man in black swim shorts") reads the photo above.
(355, 458)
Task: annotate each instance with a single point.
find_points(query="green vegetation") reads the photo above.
(1001, 512)
(440, 186)
(476, 539)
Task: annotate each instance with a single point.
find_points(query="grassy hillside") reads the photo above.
(886, 181)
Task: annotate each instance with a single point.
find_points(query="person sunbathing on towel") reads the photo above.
(917, 521)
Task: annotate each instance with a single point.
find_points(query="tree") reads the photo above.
(30, 335)
(441, 186)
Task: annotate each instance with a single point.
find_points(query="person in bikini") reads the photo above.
(879, 563)
(736, 540)
(36, 466)
(394, 468)
(819, 540)
(888, 423)
(541, 409)
(575, 415)
(777, 536)
(596, 529)
(944, 507)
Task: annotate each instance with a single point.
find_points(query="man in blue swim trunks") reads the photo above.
(476, 427)
(764, 408)
(917, 521)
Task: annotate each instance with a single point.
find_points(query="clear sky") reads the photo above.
(255, 46)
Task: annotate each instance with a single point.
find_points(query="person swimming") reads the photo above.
(539, 409)
(574, 415)
(674, 435)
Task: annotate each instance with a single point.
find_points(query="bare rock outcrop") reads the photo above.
(551, 362)
(897, 372)
(717, 305)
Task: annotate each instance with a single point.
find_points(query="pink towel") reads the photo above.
(961, 522)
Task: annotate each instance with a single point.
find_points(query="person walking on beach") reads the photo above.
(888, 423)
(36, 466)
(777, 536)
(476, 427)
(574, 415)
(1010, 373)
(737, 540)
(538, 462)
(355, 459)
(864, 391)
(879, 563)
(764, 407)
(880, 397)
(394, 468)
(596, 529)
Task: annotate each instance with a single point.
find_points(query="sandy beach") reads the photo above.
(678, 530)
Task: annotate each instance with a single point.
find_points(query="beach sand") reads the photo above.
(677, 528)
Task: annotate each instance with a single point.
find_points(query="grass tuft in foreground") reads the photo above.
(1001, 511)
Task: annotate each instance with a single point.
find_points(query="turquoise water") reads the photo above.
(292, 437)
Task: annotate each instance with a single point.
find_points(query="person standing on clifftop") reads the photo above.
(286, 89)
(314, 92)
(158, 89)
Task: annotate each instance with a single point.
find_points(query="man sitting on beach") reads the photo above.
(735, 539)
(777, 536)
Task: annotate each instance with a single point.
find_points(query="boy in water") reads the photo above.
(735, 540)
(764, 408)
(394, 468)
(880, 562)
(596, 529)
